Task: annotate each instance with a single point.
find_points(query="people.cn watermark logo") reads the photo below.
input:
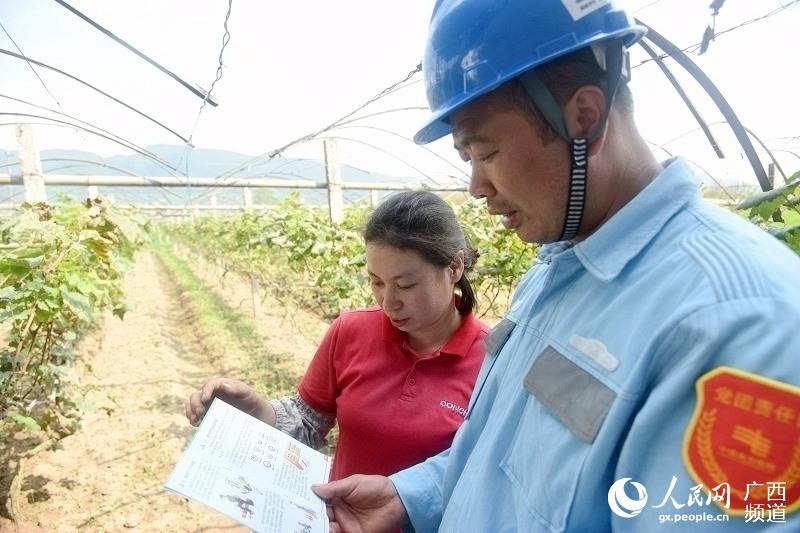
(622, 504)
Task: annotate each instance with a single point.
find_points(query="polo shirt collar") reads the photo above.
(607, 251)
(464, 337)
(459, 343)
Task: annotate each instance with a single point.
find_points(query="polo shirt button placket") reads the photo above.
(409, 390)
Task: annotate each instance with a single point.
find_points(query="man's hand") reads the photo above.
(232, 391)
(363, 504)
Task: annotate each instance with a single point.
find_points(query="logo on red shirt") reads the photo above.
(453, 407)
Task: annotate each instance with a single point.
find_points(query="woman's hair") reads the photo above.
(423, 222)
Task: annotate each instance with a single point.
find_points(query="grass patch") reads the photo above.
(227, 333)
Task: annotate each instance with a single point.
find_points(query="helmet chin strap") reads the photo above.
(577, 189)
(551, 110)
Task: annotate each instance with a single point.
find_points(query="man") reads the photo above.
(646, 375)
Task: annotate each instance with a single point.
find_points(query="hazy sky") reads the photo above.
(292, 67)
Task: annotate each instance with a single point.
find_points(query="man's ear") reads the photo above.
(584, 113)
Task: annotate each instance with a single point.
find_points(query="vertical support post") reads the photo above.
(31, 165)
(220, 264)
(333, 177)
(771, 174)
(92, 192)
(374, 198)
(255, 294)
(214, 204)
(247, 197)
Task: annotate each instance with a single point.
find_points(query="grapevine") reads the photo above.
(61, 266)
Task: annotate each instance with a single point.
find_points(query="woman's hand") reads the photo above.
(232, 391)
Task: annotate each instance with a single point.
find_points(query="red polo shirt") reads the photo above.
(394, 409)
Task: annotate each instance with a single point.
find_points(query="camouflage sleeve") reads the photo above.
(299, 420)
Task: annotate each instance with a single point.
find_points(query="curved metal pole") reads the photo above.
(685, 97)
(781, 150)
(769, 153)
(114, 98)
(120, 140)
(659, 147)
(71, 160)
(465, 176)
(749, 132)
(741, 135)
(768, 195)
(395, 110)
(197, 91)
(64, 124)
(386, 152)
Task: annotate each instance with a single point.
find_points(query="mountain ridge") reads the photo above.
(195, 162)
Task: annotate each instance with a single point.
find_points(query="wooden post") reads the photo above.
(247, 197)
(31, 165)
(220, 270)
(214, 204)
(255, 294)
(333, 176)
(771, 174)
(373, 198)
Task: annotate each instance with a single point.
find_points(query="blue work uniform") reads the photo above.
(591, 376)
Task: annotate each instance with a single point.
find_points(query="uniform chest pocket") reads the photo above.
(565, 408)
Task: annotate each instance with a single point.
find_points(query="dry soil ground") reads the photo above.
(108, 475)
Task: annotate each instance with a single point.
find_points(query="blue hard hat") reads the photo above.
(474, 46)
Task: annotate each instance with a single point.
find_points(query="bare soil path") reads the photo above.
(108, 476)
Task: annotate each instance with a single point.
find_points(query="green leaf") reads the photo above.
(26, 421)
(120, 310)
(52, 291)
(57, 370)
(27, 262)
(7, 293)
(85, 405)
(77, 302)
(42, 316)
(35, 252)
(765, 209)
(88, 234)
(319, 248)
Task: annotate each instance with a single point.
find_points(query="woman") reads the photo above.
(396, 377)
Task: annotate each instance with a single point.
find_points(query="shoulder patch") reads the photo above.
(498, 336)
(744, 441)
